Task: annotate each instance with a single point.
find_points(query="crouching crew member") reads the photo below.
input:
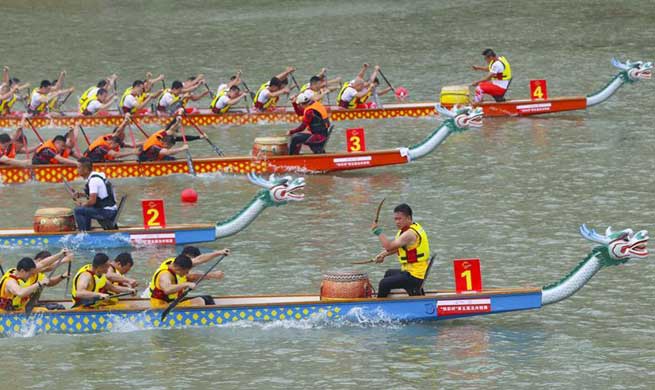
(101, 199)
(316, 119)
(90, 287)
(413, 249)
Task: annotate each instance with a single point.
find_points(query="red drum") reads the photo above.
(338, 285)
(54, 220)
(270, 146)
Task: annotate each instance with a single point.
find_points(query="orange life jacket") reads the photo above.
(49, 145)
(155, 140)
(101, 143)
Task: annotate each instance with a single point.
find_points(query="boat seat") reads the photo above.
(113, 224)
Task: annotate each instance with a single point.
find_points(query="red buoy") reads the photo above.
(189, 195)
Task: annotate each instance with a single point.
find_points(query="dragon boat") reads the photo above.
(276, 192)
(615, 248)
(629, 72)
(456, 120)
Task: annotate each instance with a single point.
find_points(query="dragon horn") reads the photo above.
(444, 111)
(592, 235)
(618, 64)
(258, 180)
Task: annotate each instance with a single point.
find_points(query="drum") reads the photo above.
(455, 94)
(270, 146)
(53, 220)
(338, 285)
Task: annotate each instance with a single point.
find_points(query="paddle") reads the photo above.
(34, 129)
(364, 261)
(139, 127)
(195, 126)
(94, 300)
(327, 86)
(88, 142)
(34, 298)
(386, 80)
(62, 102)
(68, 278)
(211, 94)
(188, 290)
(70, 189)
(293, 78)
(251, 93)
(377, 218)
(189, 160)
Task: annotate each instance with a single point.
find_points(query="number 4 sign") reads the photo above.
(153, 213)
(538, 90)
(467, 275)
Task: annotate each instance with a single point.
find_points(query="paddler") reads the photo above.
(8, 150)
(318, 86)
(223, 103)
(92, 92)
(119, 267)
(223, 88)
(53, 151)
(269, 93)
(497, 80)
(8, 92)
(90, 286)
(351, 92)
(135, 98)
(107, 147)
(172, 278)
(413, 250)
(315, 119)
(46, 261)
(178, 95)
(159, 146)
(42, 97)
(15, 291)
(98, 201)
(97, 103)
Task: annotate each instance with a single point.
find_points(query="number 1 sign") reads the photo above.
(467, 275)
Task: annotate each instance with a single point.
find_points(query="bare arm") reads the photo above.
(14, 162)
(287, 71)
(362, 72)
(168, 287)
(81, 287)
(205, 257)
(14, 288)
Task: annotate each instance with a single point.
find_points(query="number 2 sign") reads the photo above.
(467, 275)
(153, 213)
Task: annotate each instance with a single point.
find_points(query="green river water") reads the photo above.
(512, 193)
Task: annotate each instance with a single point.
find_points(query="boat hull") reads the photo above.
(400, 308)
(533, 107)
(125, 237)
(304, 163)
(207, 118)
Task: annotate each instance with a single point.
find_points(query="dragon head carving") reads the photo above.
(634, 71)
(622, 245)
(279, 190)
(462, 117)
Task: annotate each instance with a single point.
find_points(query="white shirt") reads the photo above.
(496, 68)
(221, 88)
(222, 102)
(36, 99)
(130, 101)
(348, 94)
(167, 99)
(264, 96)
(93, 106)
(97, 186)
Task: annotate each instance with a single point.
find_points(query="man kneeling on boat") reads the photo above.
(101, 199)
(316, 118)
(413, 250)
(90, 285)
(173, 277)
(497, 80)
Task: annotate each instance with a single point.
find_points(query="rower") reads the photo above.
(8, 95)
(119, 267)
(496, 82)
(15, 291)
(107, 147)
(159, 146)
(351, 91)
(269, 93)
(97, 103)
(178, 95)
(413, 250)
(101, 199)
(42, 97)
(53, 151)
(225, 87)
(90, 285)
(170, 281)
(222, 103)
(317, 119)
(92, 92)
(318, 86)
(46, 261)
(8, 152)
(135, 98)
(57, 85)
(374, 83)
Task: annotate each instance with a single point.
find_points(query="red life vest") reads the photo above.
(9, 151)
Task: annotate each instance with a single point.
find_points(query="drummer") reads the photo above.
(172, 278)
(413, 250)
(90, 285)
(101, 199)
(15, 291)
(316, 119)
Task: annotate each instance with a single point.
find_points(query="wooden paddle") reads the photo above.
(189, 160)
(86, 137)
(70, 264)
(377, 218)
(387, 80)
(71, 191)
(34, 298)
(188, 290)
(34, 130)
(195, 126)
(293, 78)
(139, 127)
(251, 93)
(94, 300)
(211, 94)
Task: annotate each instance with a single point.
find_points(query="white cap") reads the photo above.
(303, 98)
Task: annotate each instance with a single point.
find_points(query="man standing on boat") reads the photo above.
(100, 201)
(497, 80)
(316, 118)
(413, 250)
(90, 286)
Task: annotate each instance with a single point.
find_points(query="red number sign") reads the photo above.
(467, 275)
(355, 140)
(538, 90)
(153, 213)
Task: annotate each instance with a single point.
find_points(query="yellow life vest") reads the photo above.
(167, 90)
(42, 105)
(6, 105)
(99, 283)
(128, 91)
(215, 102)
(353, 102)
(155, 290)
(304, 87)
(17, 303)
(414, 258)
(507, 71)
(90, 93)
(364, 98)
(271, 102)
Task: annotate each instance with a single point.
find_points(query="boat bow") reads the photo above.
(616, 248)
(630, 72)
(277, 191)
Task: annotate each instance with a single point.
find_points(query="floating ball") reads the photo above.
(401, 93)
(189, 195)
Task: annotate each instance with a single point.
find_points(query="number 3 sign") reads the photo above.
(153, 213)
(355, 140)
